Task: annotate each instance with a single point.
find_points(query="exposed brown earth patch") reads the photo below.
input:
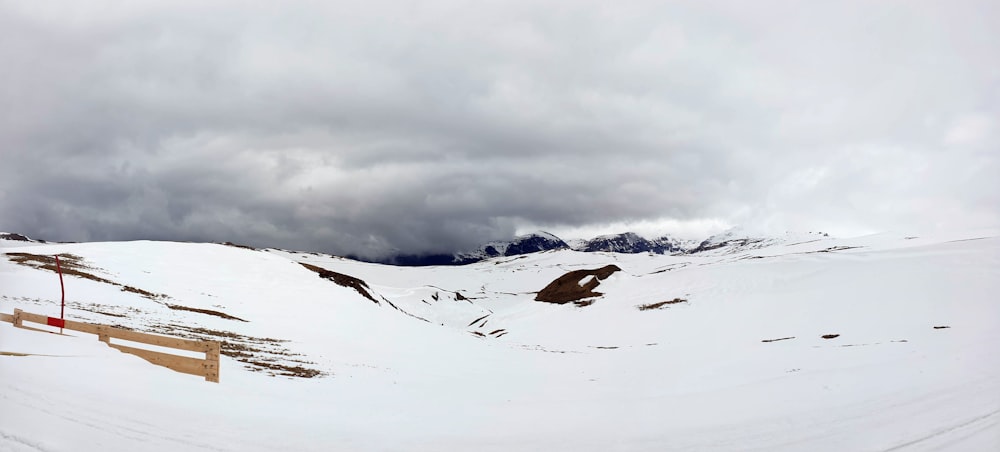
(110, 314)
(830, 336)
(646, 307)
(567, 288)
(344, 280)
(941, 327)
(477, 320)
(282, 370)
(223, 315)
(779, 339)
(123, 312)
(73, 265)
(145, 293)
(237, 245)
(834, 249)
(259, 354)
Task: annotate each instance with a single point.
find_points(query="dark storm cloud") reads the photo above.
(434, 126)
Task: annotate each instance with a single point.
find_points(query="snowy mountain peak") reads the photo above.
(630, 243)
(541, 234)
(731, 241)
(524, 244)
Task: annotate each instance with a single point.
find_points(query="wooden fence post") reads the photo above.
(212, 351)
(17, 318)
(102, 335)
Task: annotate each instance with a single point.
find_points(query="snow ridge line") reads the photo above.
(943, 431)
(17, 440)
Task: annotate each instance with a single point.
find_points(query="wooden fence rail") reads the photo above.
(208, 367)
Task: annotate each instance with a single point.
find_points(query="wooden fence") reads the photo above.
(208, 367)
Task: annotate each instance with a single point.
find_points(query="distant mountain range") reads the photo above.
(525, 244)
(632, 243)
(731, 241)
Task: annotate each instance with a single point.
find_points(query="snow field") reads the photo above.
(693, 375)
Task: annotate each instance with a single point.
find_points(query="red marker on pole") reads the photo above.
(62, 310)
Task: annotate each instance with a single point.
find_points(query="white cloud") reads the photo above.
(974, 131)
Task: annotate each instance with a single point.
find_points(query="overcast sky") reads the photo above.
(432, 126)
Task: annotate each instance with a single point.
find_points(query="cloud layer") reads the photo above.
(435, 126)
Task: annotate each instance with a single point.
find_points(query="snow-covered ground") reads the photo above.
(463, 358)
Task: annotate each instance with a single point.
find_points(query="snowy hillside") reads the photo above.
(718, 351)
(737, 240)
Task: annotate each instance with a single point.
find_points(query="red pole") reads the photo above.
(62, 310)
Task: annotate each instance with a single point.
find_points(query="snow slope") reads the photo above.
(421, 367)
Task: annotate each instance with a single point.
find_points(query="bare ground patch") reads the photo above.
(284, 370)
(73, 265)
(568, 287)
(477, 328)
(223, 315)
(259, 354)
(834, 249)
(343, 280)
(478, 319)
(661, 304)
(237, 245)
(70, 264)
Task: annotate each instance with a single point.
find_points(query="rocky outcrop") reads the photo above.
(575, 285)
(14, 237)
